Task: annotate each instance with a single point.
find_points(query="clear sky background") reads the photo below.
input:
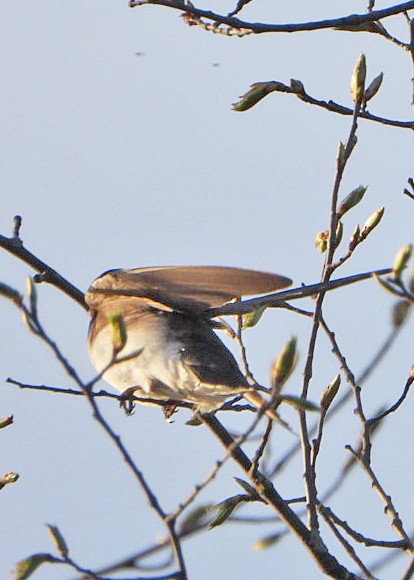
(120, 149)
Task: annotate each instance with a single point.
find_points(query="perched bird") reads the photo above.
(170, 351)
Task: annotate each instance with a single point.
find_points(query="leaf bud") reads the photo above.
(321, 241)
(358, 79)
(372, 222)
(330, 393)
(119, 333)
(256, 93)
(59, 540)
(284, 365)
(401, 260)
(351, 200)
(252, 318)
(400, 312)
(374, 87)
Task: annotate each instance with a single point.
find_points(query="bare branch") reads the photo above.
(357, 536)
(344, 22)
(46, 273)
(349, 549)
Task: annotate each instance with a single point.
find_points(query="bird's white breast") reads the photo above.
(156, 357)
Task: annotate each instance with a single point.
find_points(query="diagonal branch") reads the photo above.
(15, 246)
(266, 490)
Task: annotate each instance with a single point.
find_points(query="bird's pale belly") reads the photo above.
(155, 368)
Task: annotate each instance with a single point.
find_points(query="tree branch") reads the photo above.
(15, 246)
(345, 22)
(266, 490)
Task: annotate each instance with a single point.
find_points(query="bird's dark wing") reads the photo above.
(202, 351)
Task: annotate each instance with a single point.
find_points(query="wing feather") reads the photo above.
(189, 288)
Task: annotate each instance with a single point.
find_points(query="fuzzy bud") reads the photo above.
(401, 260)
(321, 241)
(119, 333)
(358, 79)
(284, 365)
(256, 93)
(252, 318)
(400, 312)
(372, 221)
(351, 200)
(340, 156)
(59, 540)
(330, 393)
(374, 87)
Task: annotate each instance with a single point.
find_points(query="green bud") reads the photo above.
(330, 393)
(358, 79)
(252, 318)
(352, 143)
(339, 232)
(6, 421)
(400, 312)
(340, 155)
(25, 568)
(351, 200)
(194, 519)
(321, 241)
(248, 488)
(300, 404)
(7, 478)
(119, 333)
(372, 221)
(225, 509)
(374, 87)
(268, 541)
(59, 540)
(258, 91)
(284, 365)
(401, 260)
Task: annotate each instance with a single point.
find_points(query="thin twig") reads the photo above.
(333, 107)
(397, 404)
(263, 444)
(389, 505)
(15, 246)
(239, 338)
(349, 549)
(356, 388)
(357, 536)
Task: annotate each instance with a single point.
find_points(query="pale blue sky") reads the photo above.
(120, 160)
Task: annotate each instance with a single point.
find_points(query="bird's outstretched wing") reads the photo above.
(189, 289)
